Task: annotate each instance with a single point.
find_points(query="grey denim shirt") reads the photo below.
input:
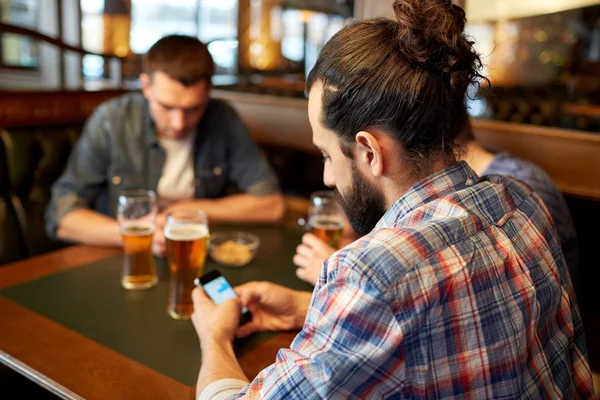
(119, 150)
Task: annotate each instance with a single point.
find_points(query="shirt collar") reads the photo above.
(149, 128)
(449, 180)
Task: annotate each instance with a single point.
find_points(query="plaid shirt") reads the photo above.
(461, 291)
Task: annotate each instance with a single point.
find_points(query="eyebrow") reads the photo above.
(186, 109)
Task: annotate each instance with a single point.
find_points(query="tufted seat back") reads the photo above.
(12, 239)
(35, 159)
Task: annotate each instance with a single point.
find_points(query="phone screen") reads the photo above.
(220, 290)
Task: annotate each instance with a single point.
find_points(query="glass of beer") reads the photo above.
(187, 237)
(136, 214)
(326, 217)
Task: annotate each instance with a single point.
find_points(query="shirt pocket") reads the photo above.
(124, 177)
(211, 182)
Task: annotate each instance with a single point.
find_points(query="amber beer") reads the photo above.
(139, 271)
(187, 246)
(328, 228)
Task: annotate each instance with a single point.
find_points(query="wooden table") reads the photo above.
(72, 365)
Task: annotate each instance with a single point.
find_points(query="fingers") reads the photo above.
(303, 255)
(308, 275)
(307, 255)
(304, 251)
(203, 302)
(300, 261)
(159, 243)
(301, 273)
(231, 307)
(199, 297)
(161, 220)
(246, 330)
(251, 292)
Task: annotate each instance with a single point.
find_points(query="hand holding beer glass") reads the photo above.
(136, 214)
(187, 244)
(326, 217)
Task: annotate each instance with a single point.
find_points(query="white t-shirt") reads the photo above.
(177, 180)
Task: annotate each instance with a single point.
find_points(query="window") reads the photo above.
(92, 38)
(218, 28)
(152, 19)
(19, 51)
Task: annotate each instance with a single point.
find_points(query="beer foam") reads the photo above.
(186, 232)
(326, 222)
(137, 228)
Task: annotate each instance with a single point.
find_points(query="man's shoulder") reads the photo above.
(218, 108)
(384, 255)
(450, 222)
(124, 104)
(121, 111)
(523, 170)
(221, 123)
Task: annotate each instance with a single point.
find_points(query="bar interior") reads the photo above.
(133, 170)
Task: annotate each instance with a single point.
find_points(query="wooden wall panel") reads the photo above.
(274, 120)
(571, 158)
(49, 108)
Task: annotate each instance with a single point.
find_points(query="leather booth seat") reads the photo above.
(34, 159)
(12, 240)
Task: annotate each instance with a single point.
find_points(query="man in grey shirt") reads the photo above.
(171, 138)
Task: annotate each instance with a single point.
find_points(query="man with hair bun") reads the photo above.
(458, 288)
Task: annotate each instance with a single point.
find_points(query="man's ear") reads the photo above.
(146, 83)
(368, 154)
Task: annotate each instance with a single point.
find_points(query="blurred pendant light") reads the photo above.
(343, 8)
(117, 26)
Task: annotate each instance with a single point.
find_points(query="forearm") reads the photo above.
(218, 362)
(241, 208)
(302, 305)
(89, 227)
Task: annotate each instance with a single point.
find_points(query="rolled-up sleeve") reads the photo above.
(85, 174)
(250, 170)
(222, 389)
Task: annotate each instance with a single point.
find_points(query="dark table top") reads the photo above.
(68, 324)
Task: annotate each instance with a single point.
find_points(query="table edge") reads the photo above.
(23, 366)
(38, 378)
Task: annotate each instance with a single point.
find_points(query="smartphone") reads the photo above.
(218, 289)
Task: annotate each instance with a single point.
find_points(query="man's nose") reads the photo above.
(177, 120)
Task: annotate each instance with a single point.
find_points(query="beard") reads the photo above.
(364, 205)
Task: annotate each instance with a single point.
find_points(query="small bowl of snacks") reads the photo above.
(233, 249)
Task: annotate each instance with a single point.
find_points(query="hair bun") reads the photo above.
(431, 35)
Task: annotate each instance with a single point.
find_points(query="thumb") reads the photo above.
(200, 299)
(231, 307)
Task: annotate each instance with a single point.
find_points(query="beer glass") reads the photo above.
(187, 237)
(136, 214)
(326, 217)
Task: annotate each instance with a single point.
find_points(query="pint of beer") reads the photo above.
(187, 237)
(136, 215)
(328, 228)
(326, 218)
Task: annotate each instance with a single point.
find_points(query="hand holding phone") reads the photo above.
(218, 289)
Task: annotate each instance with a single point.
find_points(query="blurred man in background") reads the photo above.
(172, 138)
